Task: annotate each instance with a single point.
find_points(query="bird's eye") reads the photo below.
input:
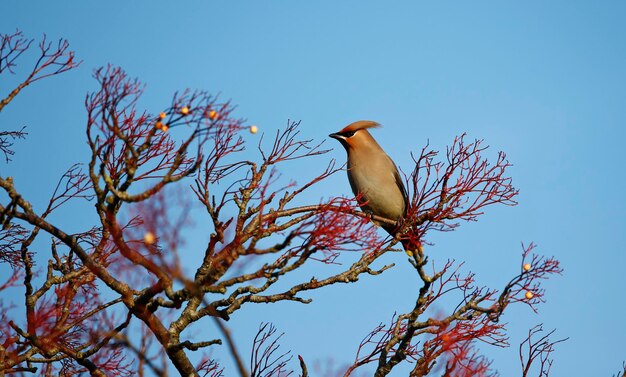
(348, 133)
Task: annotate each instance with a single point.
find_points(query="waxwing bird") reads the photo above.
(373, 174)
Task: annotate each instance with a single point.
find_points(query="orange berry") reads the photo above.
(254, 129)
(184, 110)
(165, 128)
(162, 115)
(213, 114)
(527, 266)
(529, 295)
(158, 125)
(149, 238)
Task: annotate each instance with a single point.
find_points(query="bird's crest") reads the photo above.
(360, 125)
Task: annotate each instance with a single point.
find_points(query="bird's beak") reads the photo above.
(336, 136)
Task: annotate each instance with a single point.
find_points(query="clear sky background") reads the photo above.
(543, 81)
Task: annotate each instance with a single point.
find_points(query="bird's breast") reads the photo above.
(379, 188)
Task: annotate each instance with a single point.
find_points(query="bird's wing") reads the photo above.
(400, 183)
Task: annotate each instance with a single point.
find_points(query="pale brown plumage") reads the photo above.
(373, 174)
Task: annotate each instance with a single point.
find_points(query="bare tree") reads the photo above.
(116, 299)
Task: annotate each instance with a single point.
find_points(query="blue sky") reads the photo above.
(542, 81)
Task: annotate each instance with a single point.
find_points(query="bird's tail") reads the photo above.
(411, 246)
